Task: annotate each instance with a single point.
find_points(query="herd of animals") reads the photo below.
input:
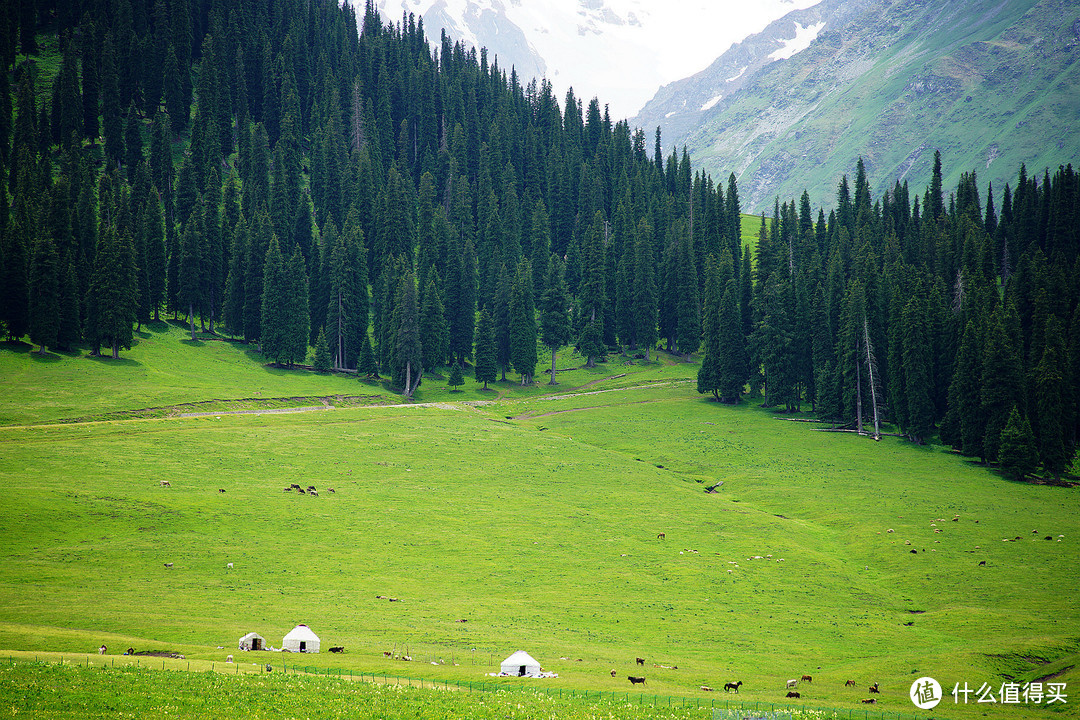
(790, 686)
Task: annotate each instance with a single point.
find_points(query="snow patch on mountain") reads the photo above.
(711, 102)
(803, 37)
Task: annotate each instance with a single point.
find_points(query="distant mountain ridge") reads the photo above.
(989, 83)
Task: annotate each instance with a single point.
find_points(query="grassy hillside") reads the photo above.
(991, 85)
(534, 519)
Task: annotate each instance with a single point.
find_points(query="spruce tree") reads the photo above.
(190, 274)
(1017, 455)
(917, 366)
(433, 326)
(408, 367)
(44, 293)
(523, 324)
(1053, 398)
(112, 292)
(555, 328)
(731, 370)
(1000, 387)
(486, 369)
(366, 366)
(296, 313)
(69, 331)
(645, 297)
(321, 362)
(273, 337)
(456, 379)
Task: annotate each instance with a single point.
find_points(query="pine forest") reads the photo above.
(318, 182)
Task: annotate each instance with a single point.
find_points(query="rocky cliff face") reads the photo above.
(989, 83)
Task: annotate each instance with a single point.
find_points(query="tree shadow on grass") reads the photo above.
(120, 361)
(193, 343)
(16, 346)
(46, 357)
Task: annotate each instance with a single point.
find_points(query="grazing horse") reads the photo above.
(793, 694)
(635, 680)
(102, 650)
(807, 678)
(164, 483)
(661, 536)
(874, 689)
(221, 490)
(849, 683)
(792, 683)
(337, 649)
(640, 661)
(869, 701)
(732, 686)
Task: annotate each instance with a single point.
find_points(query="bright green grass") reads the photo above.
(535, 519)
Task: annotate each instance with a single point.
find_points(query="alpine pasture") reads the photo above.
(519, 518)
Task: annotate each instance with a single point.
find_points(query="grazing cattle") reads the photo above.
(661, 536)
(313, 493)
(792, 683)
(874, 689)
(807, 678)
(793, 694)
(330, 489)
(641, 661)
(295, 486)
(612, 672)
(635, 680)
(849, 683)
(311, 488)
(288, 489)
(164, 483)
(130, 651)
(221, 490)
(168, 565)
(387, 653)
(733, 686)
(102, 650)
(337, 649)
(301, 491)
(869, 701)
(706, 688)
(982, 563)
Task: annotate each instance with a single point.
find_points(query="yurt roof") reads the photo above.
(251, 635)
(521, 658)
(301, 632)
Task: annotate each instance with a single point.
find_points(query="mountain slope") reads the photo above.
(989, 83)
(617, 50)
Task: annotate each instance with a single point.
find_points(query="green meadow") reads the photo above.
(513, 518)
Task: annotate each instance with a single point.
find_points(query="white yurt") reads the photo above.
(253, 641)
(522, 664)
(301, 639)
